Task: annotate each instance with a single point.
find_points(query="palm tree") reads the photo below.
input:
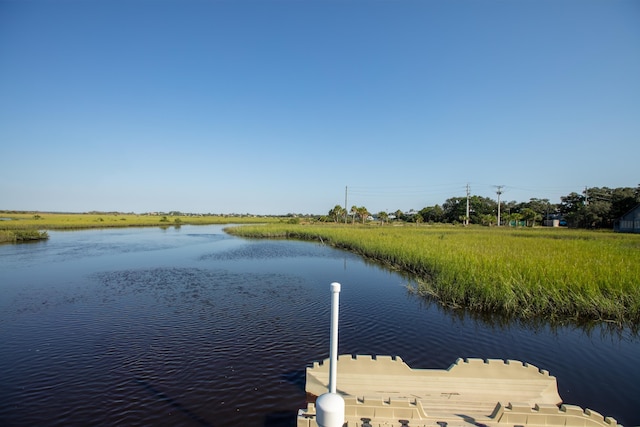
(487, 219)
(516, 217)
(529, 214)
(337, 213)
(353, 212)
(363, 213)
(383, 216)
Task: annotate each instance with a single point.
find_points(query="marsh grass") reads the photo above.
(25, 227)
(553, 273)
(16, 236)
(57, 221)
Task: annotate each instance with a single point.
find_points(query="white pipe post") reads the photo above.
(333, 338)
(330, 406)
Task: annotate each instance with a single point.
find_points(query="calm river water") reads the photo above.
(193, 327)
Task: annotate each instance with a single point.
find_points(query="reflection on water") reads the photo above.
(192, 327)
(269, 249)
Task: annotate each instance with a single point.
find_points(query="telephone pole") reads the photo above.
(466, 219)
(345, 204)
(586, 196)
(499, 191)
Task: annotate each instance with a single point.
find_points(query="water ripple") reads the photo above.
(164, 346)
(260, 250)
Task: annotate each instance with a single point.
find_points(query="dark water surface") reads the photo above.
(192, 327)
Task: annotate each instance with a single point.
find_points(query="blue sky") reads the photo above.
(271, 107)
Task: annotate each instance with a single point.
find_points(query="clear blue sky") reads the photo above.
(271, 107)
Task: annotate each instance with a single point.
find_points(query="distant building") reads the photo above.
(629, 223)
(554, 220)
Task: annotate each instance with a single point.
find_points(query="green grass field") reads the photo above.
(554, 273)
(20, 227)
(58, 221)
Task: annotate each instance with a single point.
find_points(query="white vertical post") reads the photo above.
(333, 338)
(330, 406)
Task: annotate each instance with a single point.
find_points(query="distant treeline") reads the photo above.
(596, 207)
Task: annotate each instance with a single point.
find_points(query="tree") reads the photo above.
(383, 216)
(487, 219)
(529, 215)
(596, 215)
(623, 200)
(598, 207)
(432, 214)
(516, 218)
(353, 212)
(363, 213)
(511, 207)
(539, 206)
(572, 207)
(571, 202)
(337, 213)
(456, 208)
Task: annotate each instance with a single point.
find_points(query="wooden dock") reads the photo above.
(385, 391)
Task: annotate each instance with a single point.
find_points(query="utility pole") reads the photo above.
(345, 204)
(499, 187)
(586, 196)
(466, 219)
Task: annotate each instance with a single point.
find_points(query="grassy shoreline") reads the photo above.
(21, 236)
(64, 221)
(31, 226)
(527, 273)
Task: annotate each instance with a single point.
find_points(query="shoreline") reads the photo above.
(558, 275)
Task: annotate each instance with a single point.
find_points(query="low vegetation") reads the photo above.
(16, 227)
(72, 221)
(558, 274)
(17, 236)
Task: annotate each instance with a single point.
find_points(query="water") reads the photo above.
(191, 327)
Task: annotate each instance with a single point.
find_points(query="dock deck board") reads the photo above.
(470, 392)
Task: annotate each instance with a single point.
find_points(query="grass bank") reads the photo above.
(554, 273)
(30, 226)
(18, 236)
(73, 221)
